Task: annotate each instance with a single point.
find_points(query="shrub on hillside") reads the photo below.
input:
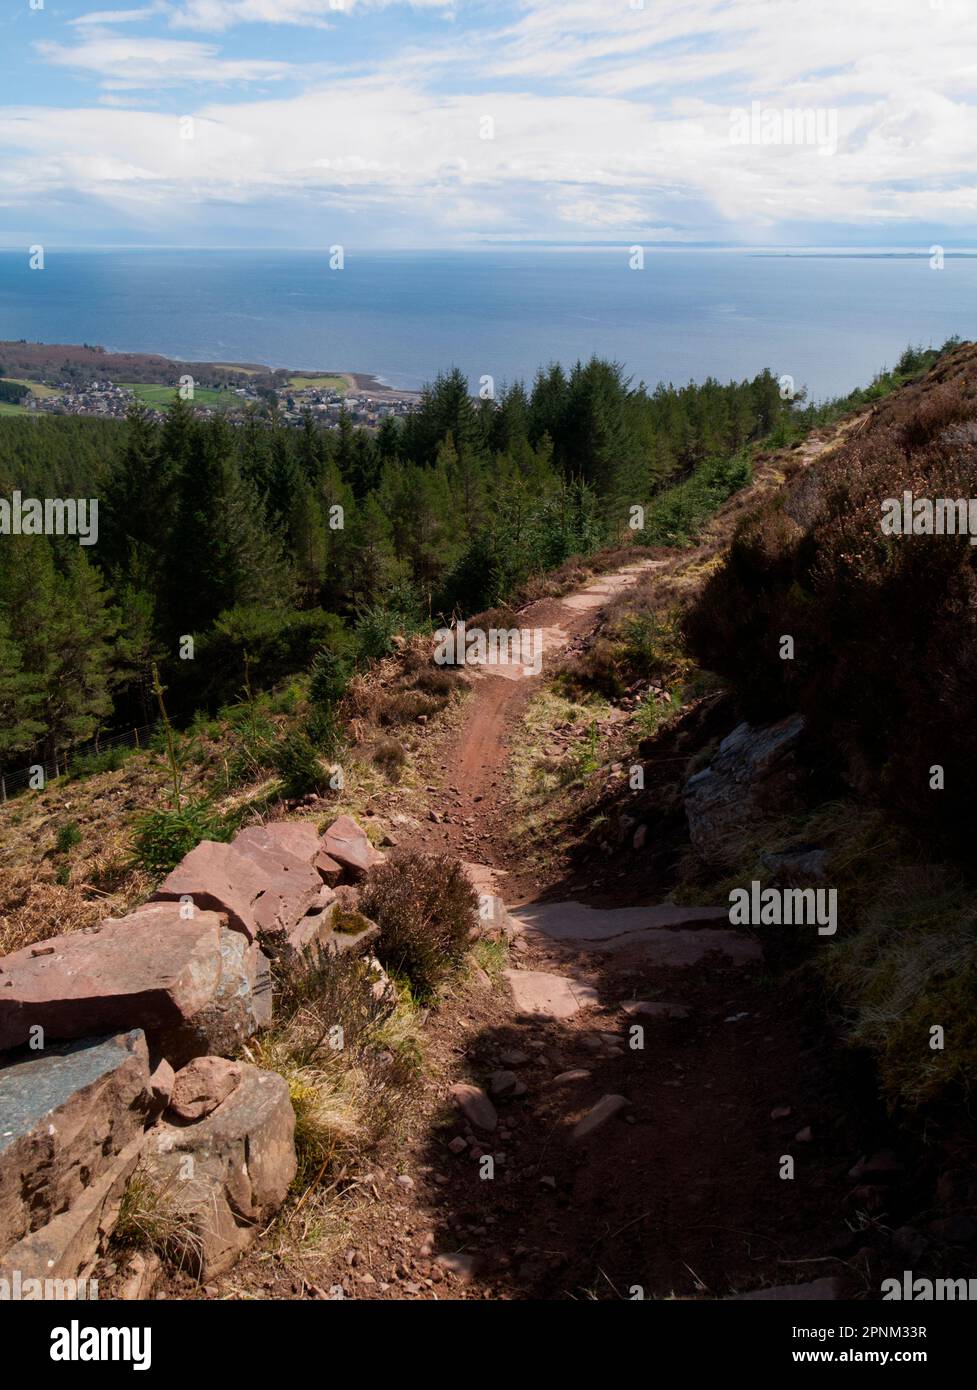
(427, 911)
(162, 838)
(390, 755)
(298, 763)
(328, 678)
(884, 626)
(67, 837)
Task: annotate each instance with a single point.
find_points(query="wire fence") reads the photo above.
(40, 773)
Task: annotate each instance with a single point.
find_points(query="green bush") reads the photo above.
(328, 679)
(68, 836)
(162, 838)
(426, 910)
(675, 515)
(109, 761)
(278, 644)
(298, 763)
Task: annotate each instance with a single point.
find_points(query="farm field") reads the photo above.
(321, 383)
(161, 396)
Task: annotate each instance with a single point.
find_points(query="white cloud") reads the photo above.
(100, 17)
(606, 118)
(136, 63)
(215, 16)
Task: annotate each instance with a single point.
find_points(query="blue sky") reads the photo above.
(375, 123)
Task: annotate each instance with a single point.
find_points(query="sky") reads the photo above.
(465, 123)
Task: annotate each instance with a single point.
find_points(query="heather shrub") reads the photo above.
(390, 755)
(426, 910)
(884, 626)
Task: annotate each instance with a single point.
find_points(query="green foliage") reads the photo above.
(278, 643)
(377, 627)
(163, 837)
(67, 837)
(675, 516)
(93, 763)
(328, 679)
(269, 540)
(13, 392)
(298, 763)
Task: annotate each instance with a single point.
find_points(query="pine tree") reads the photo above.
(19, 700)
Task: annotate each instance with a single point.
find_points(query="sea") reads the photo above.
(830, 320)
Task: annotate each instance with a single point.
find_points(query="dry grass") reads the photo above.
(152, 1218)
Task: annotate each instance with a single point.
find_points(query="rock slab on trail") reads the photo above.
(541, 995)
(656, 929)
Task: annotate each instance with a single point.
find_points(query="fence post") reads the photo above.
(3, 786)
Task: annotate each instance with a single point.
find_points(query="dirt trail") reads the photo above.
(679, 1191)
(477, 806)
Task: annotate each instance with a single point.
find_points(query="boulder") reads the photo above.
(300, 839)
(754, 773)
(139, 1275)
(801, 866)
(332, 930)
(72, 1116)
(241, 1164)
(201, 1086)
(541, 995)
(69, 1246)
(260, 886)
(194, 985)
(346, 844)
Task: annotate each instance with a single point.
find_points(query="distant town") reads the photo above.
(36, 380)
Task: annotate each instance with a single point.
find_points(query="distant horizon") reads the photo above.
(828, 318)
(649, 247)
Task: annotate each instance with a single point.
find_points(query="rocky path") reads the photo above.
(622, 1114)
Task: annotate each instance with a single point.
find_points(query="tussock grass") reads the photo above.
(350, 1052)
(150, 1218)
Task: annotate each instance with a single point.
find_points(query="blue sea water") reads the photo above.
(830, 321)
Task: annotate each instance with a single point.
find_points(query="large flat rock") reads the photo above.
(602, 590)
(66, 1114)
(242, 1162)
(260, 886)
(541, 995)
(194, 985)
(658, 930)
(755, 773)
